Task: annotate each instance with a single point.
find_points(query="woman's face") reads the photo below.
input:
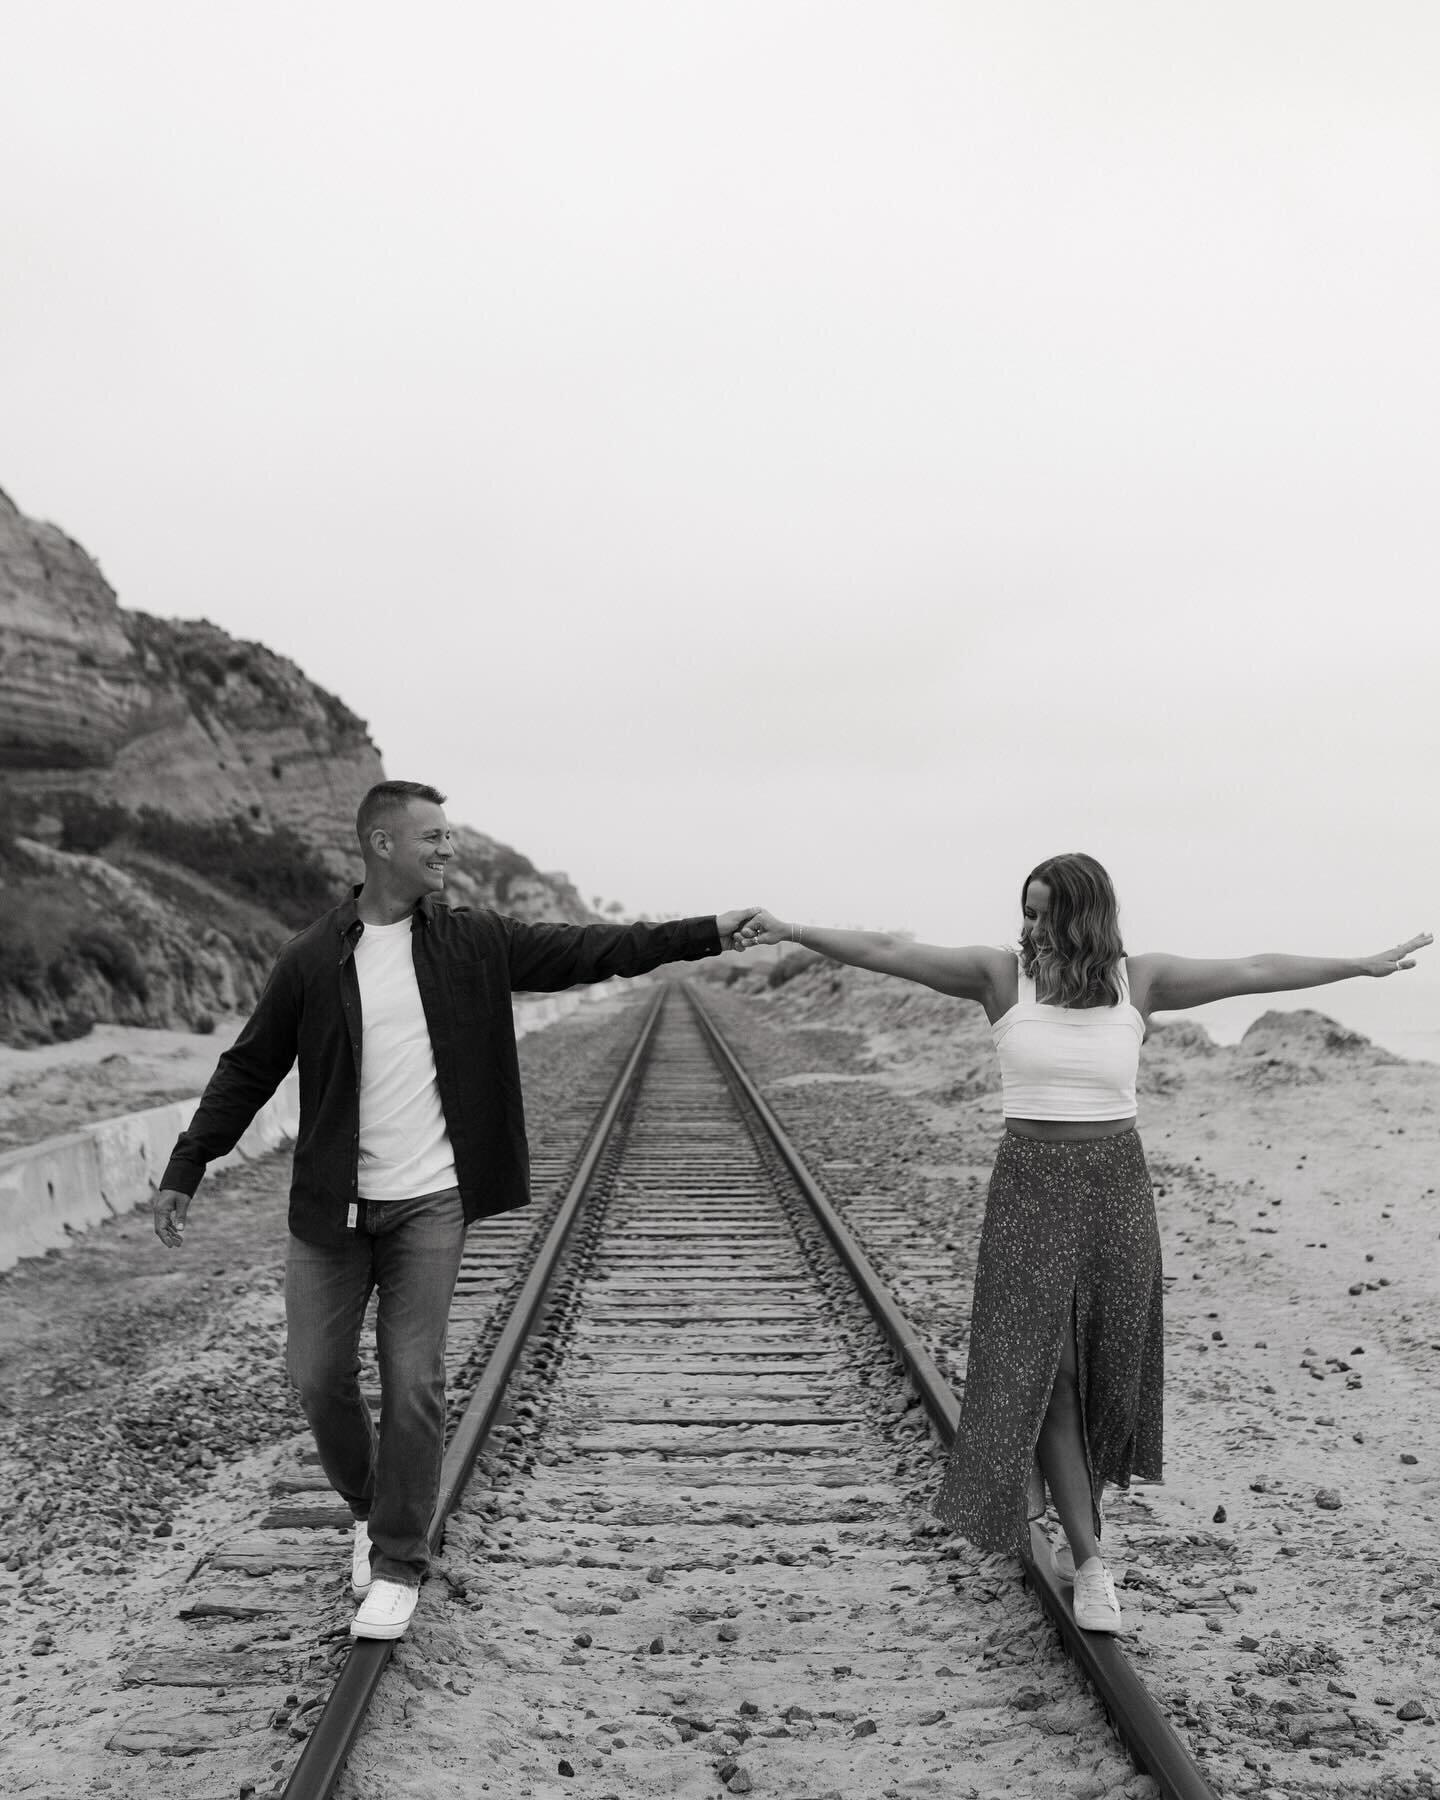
(1036, 909)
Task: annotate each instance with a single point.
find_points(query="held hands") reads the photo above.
(1390, 962)
(171, 1207)
(764, 928)
(733, 927)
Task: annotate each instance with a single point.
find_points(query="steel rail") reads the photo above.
(328, 1745)
(1148, 1735)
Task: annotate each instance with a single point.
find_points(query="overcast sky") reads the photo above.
(827, 454)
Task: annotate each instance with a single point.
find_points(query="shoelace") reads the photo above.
(1096, 1587)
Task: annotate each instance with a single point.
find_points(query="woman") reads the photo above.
(1066, 1344)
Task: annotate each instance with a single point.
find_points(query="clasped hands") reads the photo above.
(751, 925)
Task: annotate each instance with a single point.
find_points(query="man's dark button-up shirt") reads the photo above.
(467, 964)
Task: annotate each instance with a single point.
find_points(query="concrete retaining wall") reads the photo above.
(51, 1190)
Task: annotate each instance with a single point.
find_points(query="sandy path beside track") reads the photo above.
(55, 1088)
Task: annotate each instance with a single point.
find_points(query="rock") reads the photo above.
(1218, 1517)
(1309, 1036)
(730, 1634)
(740, 1782)
(1412, 1709)
(1327, 1499)
(583, 1640)
(1409, 1460)
(656, 1646)
(564, 1768)
(931, 1718)
(864, 1728)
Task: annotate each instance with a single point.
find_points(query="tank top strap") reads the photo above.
(1026, 989)
(1124, 975)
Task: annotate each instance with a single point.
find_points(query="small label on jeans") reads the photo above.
(352, 1217)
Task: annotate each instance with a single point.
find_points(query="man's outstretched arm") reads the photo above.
(544, 958)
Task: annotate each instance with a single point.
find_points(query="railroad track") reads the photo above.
(700, 1511)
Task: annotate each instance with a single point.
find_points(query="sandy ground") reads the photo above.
(1282, 1587)
(114, 1069)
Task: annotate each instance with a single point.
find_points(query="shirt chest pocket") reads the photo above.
(466, 983)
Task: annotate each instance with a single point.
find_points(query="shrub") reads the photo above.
(276, 869)
(788, 967)
(21, 970)
(74, 1023)
(113, 957)
(87, 825)
(61, 973)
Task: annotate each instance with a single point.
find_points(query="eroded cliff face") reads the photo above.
(137, 711)
(107, 713)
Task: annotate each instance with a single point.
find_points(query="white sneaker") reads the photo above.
(1096, 1608)
(386, 1610)
(360, 1560)
(1062, 1557)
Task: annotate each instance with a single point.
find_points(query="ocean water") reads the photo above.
(1419, 1045)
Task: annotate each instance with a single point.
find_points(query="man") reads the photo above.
(411, 1125)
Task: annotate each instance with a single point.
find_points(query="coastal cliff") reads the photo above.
(174, 803)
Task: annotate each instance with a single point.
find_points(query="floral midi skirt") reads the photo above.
(1069, 1232)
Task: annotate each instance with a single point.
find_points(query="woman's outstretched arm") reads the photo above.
(1164, 983)
(970, 972)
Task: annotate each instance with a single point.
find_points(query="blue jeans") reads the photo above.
(410, 1251)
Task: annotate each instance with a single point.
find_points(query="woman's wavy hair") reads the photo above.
(1072, 957)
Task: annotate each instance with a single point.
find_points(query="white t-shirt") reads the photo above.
(404, 1146)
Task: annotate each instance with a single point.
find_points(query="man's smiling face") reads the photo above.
(420, 846)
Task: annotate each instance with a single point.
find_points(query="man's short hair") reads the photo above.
(387, 798)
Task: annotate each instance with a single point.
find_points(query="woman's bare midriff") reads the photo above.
(1059, 1131)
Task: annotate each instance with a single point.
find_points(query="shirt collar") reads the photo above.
(349, 924)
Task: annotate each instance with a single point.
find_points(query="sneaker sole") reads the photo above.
(1113, 1626)
(383, 1632)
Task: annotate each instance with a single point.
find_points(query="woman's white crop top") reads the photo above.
(1069, 1062)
